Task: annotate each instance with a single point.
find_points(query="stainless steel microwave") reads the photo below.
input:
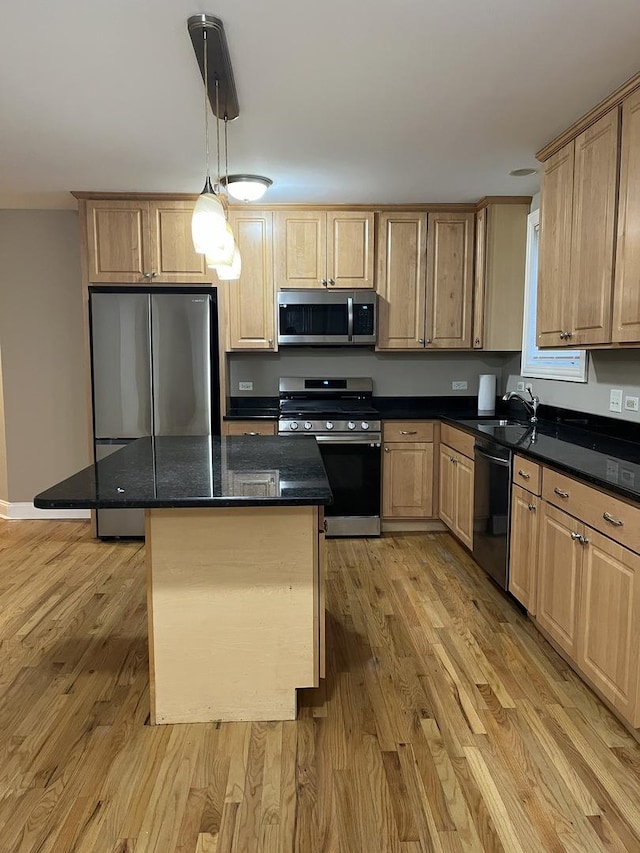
(327, 318)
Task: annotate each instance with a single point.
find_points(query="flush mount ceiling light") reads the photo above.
(246, 187)
(522, 173)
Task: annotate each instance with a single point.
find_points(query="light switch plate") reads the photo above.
(460, 385)
(245, 386)
(615, 400)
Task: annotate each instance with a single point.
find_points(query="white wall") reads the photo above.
(401, 374)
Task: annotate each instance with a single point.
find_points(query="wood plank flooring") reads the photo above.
(446, 723)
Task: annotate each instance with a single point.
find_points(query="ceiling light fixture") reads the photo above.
(522, 173)
(246, 187)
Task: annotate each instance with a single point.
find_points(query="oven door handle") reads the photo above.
(371, 440)
(497, 459)
(350, 317)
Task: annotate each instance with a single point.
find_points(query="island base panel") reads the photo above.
(234, 623)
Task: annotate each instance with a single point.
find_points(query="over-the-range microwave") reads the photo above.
(327, 317)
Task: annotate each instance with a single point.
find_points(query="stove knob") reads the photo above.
(329, 425)
(351, 425)
(293, 425)
(364, 425)
(308, 424)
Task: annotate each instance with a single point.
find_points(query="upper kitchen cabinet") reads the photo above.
(425, 280)
(501, 242)
(324, 249)
(142, 241)
(626, 293)
(577, 229)
(250, 301)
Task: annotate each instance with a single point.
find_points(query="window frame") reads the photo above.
(562, 364)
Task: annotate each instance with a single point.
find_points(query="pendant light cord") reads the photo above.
(218, 132)
(207, 184)
(226, 157)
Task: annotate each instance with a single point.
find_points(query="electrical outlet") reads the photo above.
(631, 404)
(627, 476)
(245, 386)
(461, 385)
(519, 386)
(615, 400)
(613, 467)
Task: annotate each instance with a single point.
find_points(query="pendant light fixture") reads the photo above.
(228, 270)
(210, 230)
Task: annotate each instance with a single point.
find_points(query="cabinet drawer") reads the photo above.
(527, 474)
(407, 431)
(249, 428)
(615, 518)
(461, 441)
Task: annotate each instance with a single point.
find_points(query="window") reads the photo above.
(565, 364)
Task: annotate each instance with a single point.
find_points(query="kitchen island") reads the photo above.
(234, 540)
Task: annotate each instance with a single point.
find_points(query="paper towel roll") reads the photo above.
(487, 394)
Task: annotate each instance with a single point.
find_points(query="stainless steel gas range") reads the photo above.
(340, 414)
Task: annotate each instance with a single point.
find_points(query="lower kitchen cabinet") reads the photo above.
(523, 561)
(456, 493)
(408, 469)
(559, 565)
(249, 427)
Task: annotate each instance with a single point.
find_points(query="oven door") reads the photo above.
(353, 470)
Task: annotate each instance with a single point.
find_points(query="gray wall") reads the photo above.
(607, 369)
(4, 488)
(41, 331)
(402, 374)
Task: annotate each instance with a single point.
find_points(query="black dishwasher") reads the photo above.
(492, 501)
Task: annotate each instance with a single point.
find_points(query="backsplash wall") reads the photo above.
(607, 369)
(394, 374)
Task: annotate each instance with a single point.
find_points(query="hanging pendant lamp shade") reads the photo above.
(209, 223)
(229, 272)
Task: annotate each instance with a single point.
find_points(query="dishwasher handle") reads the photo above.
(498, 460)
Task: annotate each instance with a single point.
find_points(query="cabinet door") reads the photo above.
(610, 622)
(251, 300)
(464, 472)
(172, 256)
(449, 280)
(592, 241)
(300, 248)
(559, 566)
(523, 559)
(402, 242)
(407, 477)
(554, 255)
(118, 241)
(626, 294)
(447, 487)
(350, 249)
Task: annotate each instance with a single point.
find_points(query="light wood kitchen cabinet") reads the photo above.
(142, 242)
(249, 428)
(455, 499)
(578, 210)
(425, 266)
(250, 301)
(523, 552)
(408, 469)
(500, 252)
(626, 292)
(559, 565)
(324, 249)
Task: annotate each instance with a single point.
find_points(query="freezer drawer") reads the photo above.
(112, 523)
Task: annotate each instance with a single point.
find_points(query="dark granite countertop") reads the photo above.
(608, 462)
(198, 471)
(252, 409)
(410, 408)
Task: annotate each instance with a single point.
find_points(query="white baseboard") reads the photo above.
(26, 510)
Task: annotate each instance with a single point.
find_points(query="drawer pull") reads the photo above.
(408, 432)
(524, 475)
(617, 521)
(251, 433)
(560, 493)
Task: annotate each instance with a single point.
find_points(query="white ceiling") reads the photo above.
(340, 100)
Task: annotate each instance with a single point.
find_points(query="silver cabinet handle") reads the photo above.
(560, 493)
(531, 507)
(568, 334)
(332, 281)
(324, 525)
(477, 342)
(408, 432)
(427, 340)
(251, 433)
(524, 475)
(323, 282)
(386, 450)
(420, 340)
(617, 521)
(575, 536)
(270, 342)
(563, 335)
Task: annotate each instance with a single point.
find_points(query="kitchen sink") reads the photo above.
(497, 422)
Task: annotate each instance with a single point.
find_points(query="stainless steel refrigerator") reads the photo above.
(154, 369)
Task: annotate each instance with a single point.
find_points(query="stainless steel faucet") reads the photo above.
(531, 406)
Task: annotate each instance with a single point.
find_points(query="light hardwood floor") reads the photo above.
(445, 723)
